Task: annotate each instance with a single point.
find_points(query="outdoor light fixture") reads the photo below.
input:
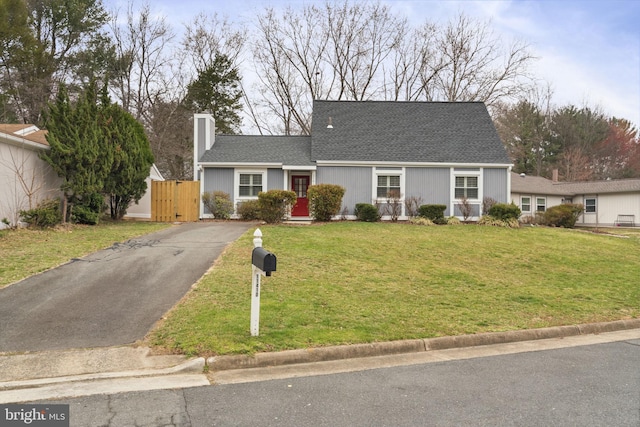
(329, 126)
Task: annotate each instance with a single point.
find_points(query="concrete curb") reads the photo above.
(323, 354)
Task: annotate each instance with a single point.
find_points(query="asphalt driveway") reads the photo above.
(114, 296)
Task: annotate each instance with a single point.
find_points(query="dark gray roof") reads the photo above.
(540, 185)
(288, 150)
(441, 132)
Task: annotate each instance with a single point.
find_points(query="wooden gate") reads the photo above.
(173, 201)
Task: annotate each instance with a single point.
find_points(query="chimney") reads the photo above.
(554, 175)
(204, 130)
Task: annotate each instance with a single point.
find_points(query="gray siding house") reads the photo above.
(439, 152)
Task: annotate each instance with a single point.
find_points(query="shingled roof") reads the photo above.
(285, 150)
(539, 185)
(373, 131)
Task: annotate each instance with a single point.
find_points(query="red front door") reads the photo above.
(299, 185)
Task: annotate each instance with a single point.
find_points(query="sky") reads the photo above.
(587, 50)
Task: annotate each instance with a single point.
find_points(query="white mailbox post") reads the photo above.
(263, 263)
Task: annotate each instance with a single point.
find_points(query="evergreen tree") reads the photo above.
(97, 147)
(132, 159)
(217, 91)
(77, 153)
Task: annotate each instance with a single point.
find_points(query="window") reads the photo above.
(590, 205)
(386, 184)
(466, 186)
(541, 204)
(250, 184)
(525, 204)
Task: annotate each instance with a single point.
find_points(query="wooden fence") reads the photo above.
(175, 201)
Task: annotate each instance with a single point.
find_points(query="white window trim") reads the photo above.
(522, 203)
(374, 187)
(236, 183)
(545, 204)
(452, 181)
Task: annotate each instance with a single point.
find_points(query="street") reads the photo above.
(588, 385)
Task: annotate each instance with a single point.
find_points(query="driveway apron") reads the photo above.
(111, 297)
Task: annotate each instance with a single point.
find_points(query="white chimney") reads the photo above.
(204, 136)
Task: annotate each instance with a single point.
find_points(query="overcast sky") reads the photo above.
(589, 50)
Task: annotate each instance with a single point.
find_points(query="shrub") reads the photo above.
(218, 203)
(505, 211)
(46, 214)
(563, 215)
(393, 205)
(88, 209)
(433, 212)
(366, 212)
(487, 204)
(495, 222)
(325, 201)
(452, 220)
(421, 221)
(81, 214)
(466, 208)
(411, 205)
(274, 204)
(249, 210)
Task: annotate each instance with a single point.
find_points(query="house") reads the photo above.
(25, 179)
(606, 203)
(439, 152)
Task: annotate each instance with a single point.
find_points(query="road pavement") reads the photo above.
(583, 385)
(113, 296)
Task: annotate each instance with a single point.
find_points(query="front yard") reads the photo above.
(353, 282)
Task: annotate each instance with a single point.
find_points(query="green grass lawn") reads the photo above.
(353, 282)
(25, 252)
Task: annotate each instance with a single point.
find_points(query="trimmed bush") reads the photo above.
(433, 212)
(325, 201)
(218, 203)
(563, 215)
(366, 212)
(46, 214)
(274, 204)
(505, 211)
(249, 210)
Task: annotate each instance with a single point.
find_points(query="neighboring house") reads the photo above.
(438, 152)
(142, 209)
(606, 203)
(25, 179)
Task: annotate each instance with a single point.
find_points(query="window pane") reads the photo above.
(472, 182)
(245, 191)
(394, 181)
(382, 192)
(472, 193)
(257, 179)
(255, 190)
(245, 179)
(459, 193)
(459, 181)
(382, 180)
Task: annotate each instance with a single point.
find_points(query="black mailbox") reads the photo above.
(264, 260)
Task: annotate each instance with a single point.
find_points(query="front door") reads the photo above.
(299, 185)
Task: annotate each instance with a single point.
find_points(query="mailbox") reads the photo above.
(264, 260)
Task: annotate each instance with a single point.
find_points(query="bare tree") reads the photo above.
(143, 60)
(476, 65)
